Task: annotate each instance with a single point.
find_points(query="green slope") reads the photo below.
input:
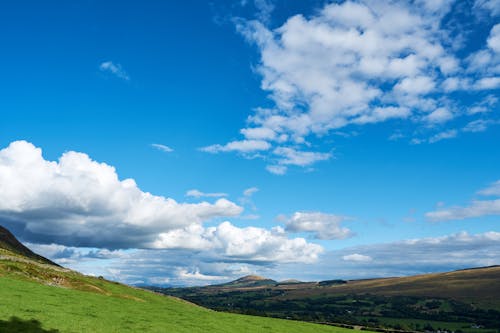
(37, 297)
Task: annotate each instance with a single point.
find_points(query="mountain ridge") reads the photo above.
(10, 243)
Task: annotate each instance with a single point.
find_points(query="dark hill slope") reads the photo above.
(10, 243)
(476, 285)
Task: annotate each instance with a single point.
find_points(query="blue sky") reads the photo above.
(308, 140)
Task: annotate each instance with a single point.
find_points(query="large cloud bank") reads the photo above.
(76, 201)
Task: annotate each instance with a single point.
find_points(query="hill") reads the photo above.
(465, 300)
(249, 281)
(8, 242)
(37, 296)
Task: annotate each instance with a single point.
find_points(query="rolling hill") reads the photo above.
(465, 300)
(38, 296)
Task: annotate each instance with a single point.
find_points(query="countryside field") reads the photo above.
(459, 301)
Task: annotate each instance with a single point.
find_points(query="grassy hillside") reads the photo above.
(466, 300)
(37, 297)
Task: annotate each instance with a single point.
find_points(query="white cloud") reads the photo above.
(406, 257)
(487, 83)
(264, 10)
(322, 226)
(363, 43)
(250, 191)
(494, 38)
(277, 169)
(356, 63)
(449, 134)
(381, 114)
(493, 6)
(477, 208)
(243, 146)
(115, 69)
(258, 133)
(492, 190)
(415, 85)
(486, 62)
(188, 276)
(198, 194)
(250, 243)
(162, 148)
(415, 256)
(479, 125)
(76, 200)
(439, 116)
(291, 156)
(456, 83)
(357, 257)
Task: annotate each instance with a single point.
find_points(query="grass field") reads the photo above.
(38, 298)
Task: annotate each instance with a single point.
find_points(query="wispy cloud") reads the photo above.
(198, 194)
(163, 148)
(477, 208)
(243, 146)
(115, 69)
(357, 257)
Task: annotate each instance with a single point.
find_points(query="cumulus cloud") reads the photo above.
(115, 69)
(76, 200)
(242, 244)
(76, 209)
(357, 63)
(440, 115)
(198, 194)
(477, 208)
(487, 62)
(321, 225)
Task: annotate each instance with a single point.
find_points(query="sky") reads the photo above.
(190, 143)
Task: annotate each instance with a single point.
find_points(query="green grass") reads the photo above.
(28, 304)
(409, 324)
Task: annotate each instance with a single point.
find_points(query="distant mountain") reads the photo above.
(290, 281)
(10, 243)
(248, 281)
